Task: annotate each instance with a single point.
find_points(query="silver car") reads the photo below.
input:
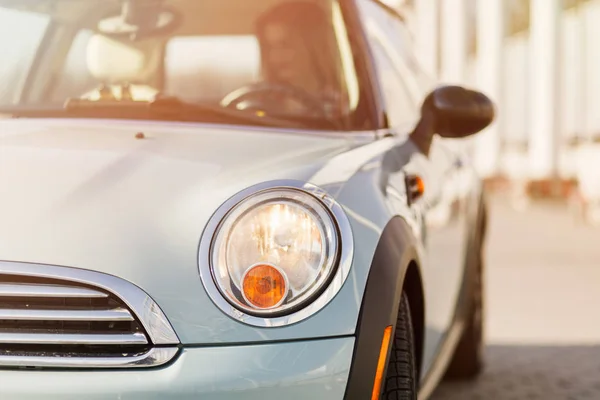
(232, 199)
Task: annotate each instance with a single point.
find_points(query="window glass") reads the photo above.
(75, 76)
(401, 108)
(421, 83)
(389, 49)
(96, 60)
(207, 68)
(20, 36)
(295, 55)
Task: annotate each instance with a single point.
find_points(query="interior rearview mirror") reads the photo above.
(458, 112)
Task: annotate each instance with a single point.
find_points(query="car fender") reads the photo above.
(395, 252)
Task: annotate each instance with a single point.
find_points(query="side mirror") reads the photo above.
(452, 112)
(458, 112)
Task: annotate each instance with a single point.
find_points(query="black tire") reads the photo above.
(467, 362)
(401, 381)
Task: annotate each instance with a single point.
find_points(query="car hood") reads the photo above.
(94, 195)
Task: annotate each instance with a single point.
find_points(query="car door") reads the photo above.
(440, 207)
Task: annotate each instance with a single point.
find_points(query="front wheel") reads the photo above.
(401, 381)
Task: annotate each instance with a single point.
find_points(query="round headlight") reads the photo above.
(274, 252)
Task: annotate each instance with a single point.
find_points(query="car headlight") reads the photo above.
(275, 251)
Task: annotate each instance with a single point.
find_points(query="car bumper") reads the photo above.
(315, 369)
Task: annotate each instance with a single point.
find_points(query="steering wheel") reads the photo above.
(267, 96)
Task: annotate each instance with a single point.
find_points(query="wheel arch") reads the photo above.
(395, 267)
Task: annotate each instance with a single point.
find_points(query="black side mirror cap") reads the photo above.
(458, 112)
(452, 112)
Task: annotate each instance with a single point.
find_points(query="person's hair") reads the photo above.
(309, 21)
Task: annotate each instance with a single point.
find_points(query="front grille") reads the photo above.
(47, 322)
(64, 318)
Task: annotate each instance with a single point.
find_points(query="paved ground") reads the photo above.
(543, 326)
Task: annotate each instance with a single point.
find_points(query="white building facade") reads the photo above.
(538, 60)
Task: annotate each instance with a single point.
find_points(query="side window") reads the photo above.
(401, 108)
(421, 83)
(18, 55)
(392, 52)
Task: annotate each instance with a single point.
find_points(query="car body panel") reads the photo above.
(302, 370)
(446, 225)
(92, 196)
(440, 225)
(442, 209)
(89, 195)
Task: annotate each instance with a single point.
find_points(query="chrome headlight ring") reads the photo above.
(328, 223)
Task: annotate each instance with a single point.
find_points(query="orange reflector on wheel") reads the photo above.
(264, 286)
(381, 363)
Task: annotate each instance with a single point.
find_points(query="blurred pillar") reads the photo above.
(582, 71)
(544, 140)
(490, 28)
(427, 33)
(454, 40)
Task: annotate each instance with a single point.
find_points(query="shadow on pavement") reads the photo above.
(532, 373)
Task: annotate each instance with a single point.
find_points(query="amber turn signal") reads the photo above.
(381, 363)
(415, 187)
(264, 286)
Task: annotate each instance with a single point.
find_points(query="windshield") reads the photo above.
(270, 58)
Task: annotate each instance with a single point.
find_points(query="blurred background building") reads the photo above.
(539, 60)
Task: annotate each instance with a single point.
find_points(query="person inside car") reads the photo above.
(298, 54)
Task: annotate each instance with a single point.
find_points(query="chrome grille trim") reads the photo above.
(62, 317)
(25, 290)
(72, 339)
(117, 314)
(147, 311)
(153, 358)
